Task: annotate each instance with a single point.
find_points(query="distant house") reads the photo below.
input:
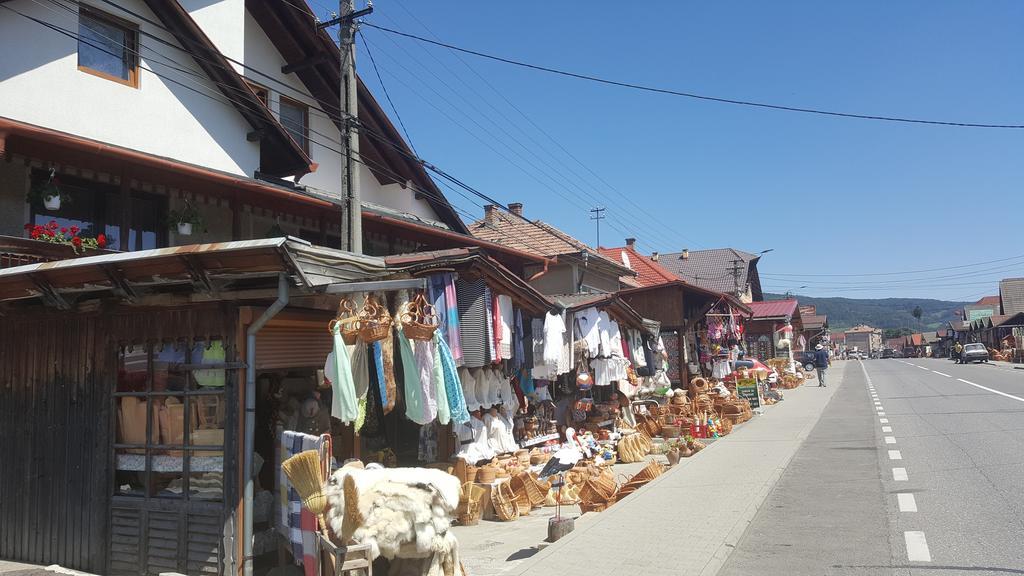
(720, 269)
(765, 328)
(815, 327)
(864, 338)
(572, 267)
(1011, 295)
(987, 306)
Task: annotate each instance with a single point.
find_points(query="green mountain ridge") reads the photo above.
(881, 313)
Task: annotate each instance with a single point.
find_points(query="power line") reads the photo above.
(619, 198)
(692, 95)
(1018, 257)
(385, 90)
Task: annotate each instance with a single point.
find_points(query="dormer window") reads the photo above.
(295, 119)
(108, 47)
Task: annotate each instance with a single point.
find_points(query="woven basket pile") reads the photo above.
(470, 507)
(650, 472)
(633, 448)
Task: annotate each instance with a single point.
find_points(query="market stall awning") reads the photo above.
(693, 290)
(471, 261)
(211, 269)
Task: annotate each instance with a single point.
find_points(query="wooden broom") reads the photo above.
(304, 472)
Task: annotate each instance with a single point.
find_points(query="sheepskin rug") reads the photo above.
(402, 513)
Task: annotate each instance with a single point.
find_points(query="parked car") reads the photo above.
(975, 352)
(805, 359)
(888, 353)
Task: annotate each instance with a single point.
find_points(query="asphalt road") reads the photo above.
(925, 479)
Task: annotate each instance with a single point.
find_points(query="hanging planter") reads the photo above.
(185, 220)
(47, 193)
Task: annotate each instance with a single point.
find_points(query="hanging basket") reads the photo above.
(374, 321)
(184, 228)
(52, 203)
(419, 322)
(347, 320)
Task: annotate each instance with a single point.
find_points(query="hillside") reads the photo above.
(881, 313)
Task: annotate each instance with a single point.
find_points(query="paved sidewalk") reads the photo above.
(688, 521)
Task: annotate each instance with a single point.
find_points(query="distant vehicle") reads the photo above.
(975, 352)
(805, 359)
(888, 353)
(855, 355)
(897, 354)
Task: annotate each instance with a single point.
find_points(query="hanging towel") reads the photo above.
(496, 331)
(377, 370)
(390, 395)
(452, 325)
(414, 401)
(452, 384)
(295, 522)
(506, 321)
(444, 415)
(360, 367)
(519, 358)
(424, 354)
(339, 372)
(473, 322)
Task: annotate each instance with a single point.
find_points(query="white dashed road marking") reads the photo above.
(991, 390)
(890, 439)
(895, 455)
(883, 420)
(906, 502)
(881, 413)
(917, 547)
(922, 367)
(899, 474)
(886, 428)
(941, 374)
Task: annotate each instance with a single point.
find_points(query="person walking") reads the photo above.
(958, 352)
(821, 362)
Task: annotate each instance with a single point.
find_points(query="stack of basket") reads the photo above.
(650, 472)
(633, 447)
(599, 492)
(470, 507)
(529, 493)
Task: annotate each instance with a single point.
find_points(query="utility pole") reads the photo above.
(351, 205)
(598, 214)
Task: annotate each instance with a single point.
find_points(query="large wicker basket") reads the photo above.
(504, 502)
(374, 321)
(419, 322)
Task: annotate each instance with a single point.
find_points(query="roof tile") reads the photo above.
(648, 272)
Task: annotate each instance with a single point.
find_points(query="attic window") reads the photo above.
(295, 119)
(108, 47)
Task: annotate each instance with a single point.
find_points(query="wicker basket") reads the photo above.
(594, 506)
(602, 488)
(650, 472)
(724, 427)
(374, 321)
(672, 431)
(504, 502)
(486, 474)
(470, 505)
(698, 386)
(419, 322)
(538, 458)
(525, 484)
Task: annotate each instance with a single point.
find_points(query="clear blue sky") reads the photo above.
(829, 195)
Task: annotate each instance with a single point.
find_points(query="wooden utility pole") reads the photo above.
(351, 205)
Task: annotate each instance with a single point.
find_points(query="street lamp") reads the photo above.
(790, 291)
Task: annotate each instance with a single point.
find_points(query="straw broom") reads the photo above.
(304, 473)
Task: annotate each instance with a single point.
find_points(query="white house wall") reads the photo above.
(40, 84)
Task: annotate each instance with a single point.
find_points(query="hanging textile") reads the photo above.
(360, 367)
(452, 323)
(614, 339)
(519, 357)
(554, 329)
(436, 297)
(373, 418)
(468, 381)
(588, 325)
(444, 415)
(452, 384)
(473, 321)
(423, 352)
(495, 325)
(414, 401)
(506, 319)
(390, 394)
(338, 371)
(377, 370)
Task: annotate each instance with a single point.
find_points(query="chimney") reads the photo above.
(654, 256)
(686, 253)
(631, 243)
(491, 214)
(516, 208)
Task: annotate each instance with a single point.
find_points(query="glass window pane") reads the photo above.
(206, 475)
(209, 353)
(131, 420)
(169, 420)
(208, 420)
(102, 47)
(167, 373)
(132, 369)
(293, 118)
(166, 474)
(130, 472)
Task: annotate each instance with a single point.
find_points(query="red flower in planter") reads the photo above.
(34, 234)
(64, 231)
(77, 242)
(52, 225)
(101, 241)
(75, 230)
(29, 226)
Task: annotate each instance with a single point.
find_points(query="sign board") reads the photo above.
(748, 389)
(973, 315)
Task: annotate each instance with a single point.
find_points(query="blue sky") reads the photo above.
(829, 195)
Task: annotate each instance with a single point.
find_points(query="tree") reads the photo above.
(917, 313)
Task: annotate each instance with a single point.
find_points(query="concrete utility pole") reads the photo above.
(351, 206)
(736, 277)
(598, 214)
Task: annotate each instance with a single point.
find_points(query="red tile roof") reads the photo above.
(989, 301)
(648, 272)
(773, 308)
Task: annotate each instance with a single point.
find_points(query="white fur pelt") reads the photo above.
(406, 511)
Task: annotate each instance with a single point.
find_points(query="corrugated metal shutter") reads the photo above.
(293, 345)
